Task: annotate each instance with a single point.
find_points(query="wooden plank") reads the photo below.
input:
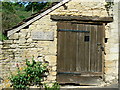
(73, 47)
(104, 53)
(99, 42)
(60, 50)
(69, 49)
(81, 49)
(78, 60)
(95, 48)
(81, 18)
(82, 80)
(87, 50)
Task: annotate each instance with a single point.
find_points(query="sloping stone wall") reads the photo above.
(21, 45)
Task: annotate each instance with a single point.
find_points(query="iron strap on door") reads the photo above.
(75, 73)
(73, 30)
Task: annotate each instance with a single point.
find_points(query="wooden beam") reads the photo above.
(81, 18)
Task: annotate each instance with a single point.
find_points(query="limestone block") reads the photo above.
(1, 42)
(53, 73)
(117, 65)
(22, 35)
(50, 77)
(51, 59)
(39, 50)
(107, 34)
(16, 41)
(28, 35)
(111, 70)
(43, 43)
(14, 45)
(114, 50)
(109, 77)
(1, 46)
(8, 41)
(52, 49)
(41, 59)
(1, 51)
(29, 53)
(33, 26)
(109, 64)
(113, 40)
(114, 25)
(14, 36)
(34, 23)
(112, 57)
(22, 41)
(29, 40)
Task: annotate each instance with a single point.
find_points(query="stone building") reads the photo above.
(79, 40)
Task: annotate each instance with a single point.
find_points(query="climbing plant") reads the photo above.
(109, 6)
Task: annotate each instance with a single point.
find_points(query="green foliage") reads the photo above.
(12, 14)
(55, 86)
(109, 5)
(2, 37)
(36, 6)
(33, 74)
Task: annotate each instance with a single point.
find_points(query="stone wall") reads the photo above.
(112, 48)
(21, 45)
(111, 31)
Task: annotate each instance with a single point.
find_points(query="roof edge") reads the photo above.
(9, 33)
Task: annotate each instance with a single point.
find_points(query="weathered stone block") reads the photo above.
(28, 35)
(50, 77)
(114, 50)
(14, 45)
(22, 35)
(16, 41)
(51, 59)
(1, 42)
(111, 70)
(111, 57)
(33, 25)
(22, 41)
(8, 41)
(53, 49)
(29, 40)
(53, 73)
(43, 43)
(109, 77)
(111, 63)
(14, 36)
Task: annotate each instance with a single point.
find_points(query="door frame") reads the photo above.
(86, 20)
(84, 78)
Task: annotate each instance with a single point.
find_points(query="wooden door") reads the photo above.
(80, 52)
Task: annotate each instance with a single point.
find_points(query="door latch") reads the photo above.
(101, 47)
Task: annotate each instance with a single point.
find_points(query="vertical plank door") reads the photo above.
(79, 51)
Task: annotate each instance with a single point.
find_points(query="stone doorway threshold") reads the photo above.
(105, 85)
